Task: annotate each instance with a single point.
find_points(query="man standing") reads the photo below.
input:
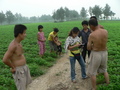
(97, 43)
(94, 17)
(15, 59)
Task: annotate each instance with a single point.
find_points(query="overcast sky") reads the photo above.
(30, 8)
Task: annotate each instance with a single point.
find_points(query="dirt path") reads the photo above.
(58, 78)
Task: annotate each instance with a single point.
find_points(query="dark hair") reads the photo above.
(74, 30)
(93, 22)
(19, 29)
(40, 27)
(84, 22)
(56, 36)
(93, 17)
(56, 30)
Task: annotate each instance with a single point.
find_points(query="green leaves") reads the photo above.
(39, 66)
(35, 69)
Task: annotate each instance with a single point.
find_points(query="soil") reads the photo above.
(58, 78)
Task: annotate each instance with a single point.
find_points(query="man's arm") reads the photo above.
(89, 44)
(7, 56)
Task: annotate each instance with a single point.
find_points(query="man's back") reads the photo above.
(99, 39)
(98, 58)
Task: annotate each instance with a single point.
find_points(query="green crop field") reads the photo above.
(39, 66)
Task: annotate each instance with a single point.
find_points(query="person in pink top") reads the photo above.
(41, 40)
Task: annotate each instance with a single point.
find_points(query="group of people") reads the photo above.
(54, 43)
(94, 40)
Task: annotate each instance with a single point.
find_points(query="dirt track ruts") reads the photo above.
(58, 78)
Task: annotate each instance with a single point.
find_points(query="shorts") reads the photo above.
(53, 46)
(22, 77)
(98, 62)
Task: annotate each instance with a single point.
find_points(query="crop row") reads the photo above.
(39, 66)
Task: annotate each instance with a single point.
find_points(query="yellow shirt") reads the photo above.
(50, 36)
(75, 50)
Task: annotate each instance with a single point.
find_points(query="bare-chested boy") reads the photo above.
(59, 47)
(97, 43)
(15, 59)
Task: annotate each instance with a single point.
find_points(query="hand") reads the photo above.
(13, 70)
(77, 45)
(45, 39)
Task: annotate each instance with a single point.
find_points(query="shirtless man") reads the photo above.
(94, 17)
(15, 59)
(97, 43)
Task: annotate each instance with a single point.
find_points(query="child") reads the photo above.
(59, 47)
(85, 32)
(73, 43)
(41, 40)
(15, 59)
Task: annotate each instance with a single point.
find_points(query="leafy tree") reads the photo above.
(33, 18)
(25, 19)
(2, 17)
(9, 17)
(74, 14)
(67, 13)
(107, 11)
(57, 15)
(112, 14)
(60, 14)
(18, 17)
(90, 11)
(97, 11)
(46, 18)
(54, 15)
(83, 13)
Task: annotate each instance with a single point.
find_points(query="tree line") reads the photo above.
(61, 14)
(66, 14)
(10, 18)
